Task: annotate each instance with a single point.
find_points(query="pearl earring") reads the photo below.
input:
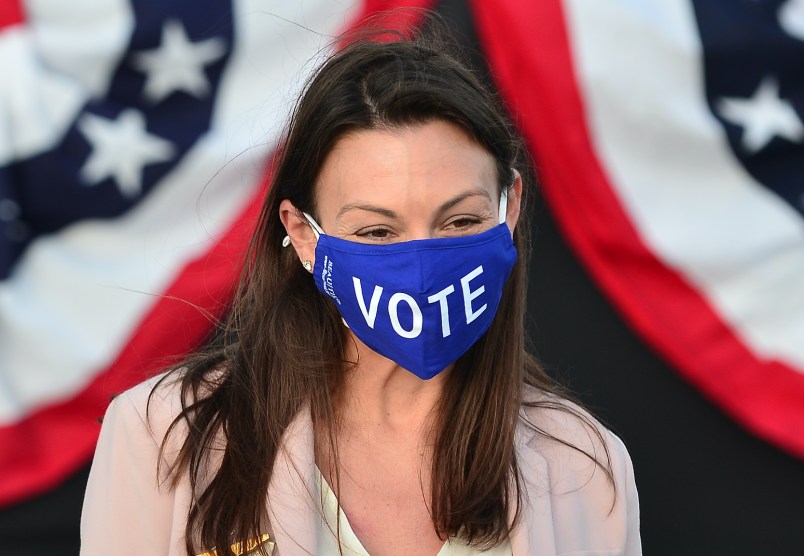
(308, 266)
(286, 241)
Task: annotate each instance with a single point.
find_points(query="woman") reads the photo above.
(371, 393)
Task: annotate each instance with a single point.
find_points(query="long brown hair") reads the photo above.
(282, 346)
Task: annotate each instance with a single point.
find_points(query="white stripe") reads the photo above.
(62, 55)
(36, 107)
(81, 39)
(639, 64)
(72, 302)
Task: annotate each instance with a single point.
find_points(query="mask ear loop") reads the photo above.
(314, 225)
(503, 204)
(318, 233)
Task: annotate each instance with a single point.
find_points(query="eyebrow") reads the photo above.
(455, 200)
(363, 206)
(391, 214)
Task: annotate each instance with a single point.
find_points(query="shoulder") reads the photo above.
(154, 409)
(550, 423)
(152, 405)
(127, 502)
(573, 465)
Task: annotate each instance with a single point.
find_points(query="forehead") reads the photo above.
(427, 162)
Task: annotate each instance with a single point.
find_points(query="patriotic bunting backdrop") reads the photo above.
(134, 137)
(669, 138)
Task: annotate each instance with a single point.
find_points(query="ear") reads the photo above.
(514, 201)
(299, 231)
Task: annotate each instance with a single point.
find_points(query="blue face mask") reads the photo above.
(421, 303)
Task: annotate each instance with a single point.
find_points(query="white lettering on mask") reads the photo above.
(469, 295)
(393, 303)
(371, 314)
(326, 278)
(441, 297)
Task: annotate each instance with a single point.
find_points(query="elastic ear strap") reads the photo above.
(503, 204)
(314, 225)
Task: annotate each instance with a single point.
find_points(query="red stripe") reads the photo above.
(11, 13)
(389, 15)
(528, 49)
(396, 14)
(62, 437)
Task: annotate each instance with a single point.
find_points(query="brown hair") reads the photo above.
(282, 345)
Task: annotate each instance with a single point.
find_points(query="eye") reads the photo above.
(377, 233)
(463, 224)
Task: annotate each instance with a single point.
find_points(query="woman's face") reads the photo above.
(425, 181)
(385, 186)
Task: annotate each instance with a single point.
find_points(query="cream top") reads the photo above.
(328, 542)
(569, 505)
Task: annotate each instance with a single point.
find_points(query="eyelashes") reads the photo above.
(456, 226)
(378, 232)
(464, 222)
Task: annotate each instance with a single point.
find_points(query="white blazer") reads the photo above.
(570, 507)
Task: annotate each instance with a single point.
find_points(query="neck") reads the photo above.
(380, 397)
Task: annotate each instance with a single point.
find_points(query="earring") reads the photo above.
(308, 266)
(286, 241)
